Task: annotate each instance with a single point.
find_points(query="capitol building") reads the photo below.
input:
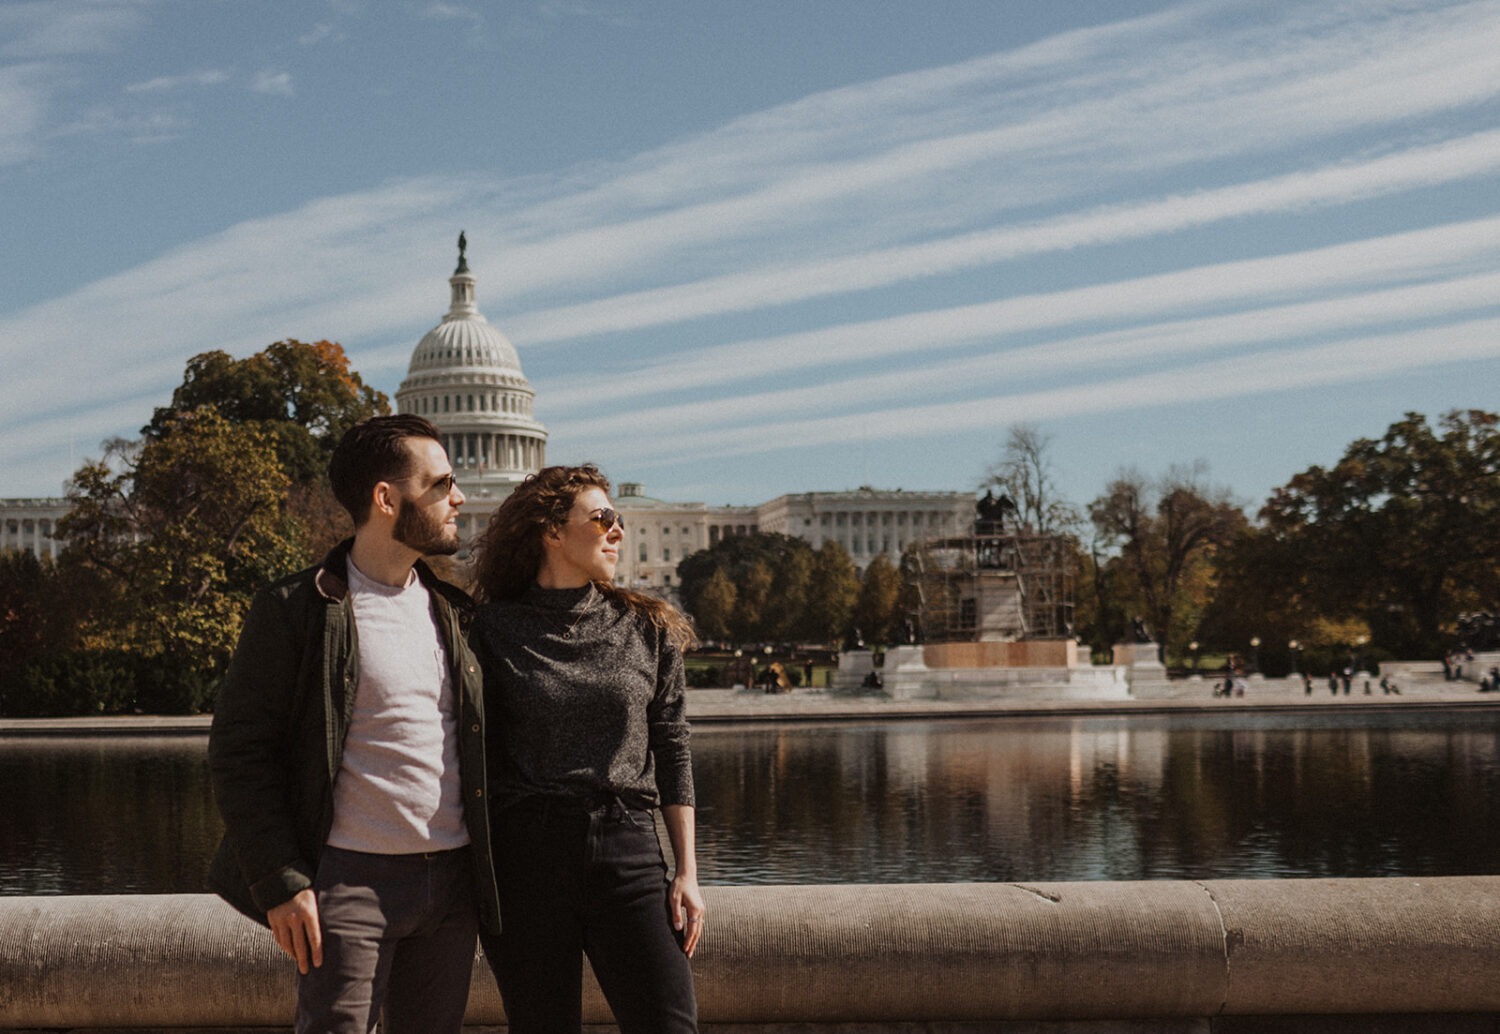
(466, 377)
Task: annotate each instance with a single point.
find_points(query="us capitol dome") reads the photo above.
(466, 378)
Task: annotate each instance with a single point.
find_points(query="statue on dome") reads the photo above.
(463, 245)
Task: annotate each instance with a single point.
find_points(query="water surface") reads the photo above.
(1033, 799)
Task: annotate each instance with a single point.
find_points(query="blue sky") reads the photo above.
(774, 245)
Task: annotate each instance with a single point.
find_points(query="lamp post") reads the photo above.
(1359, 652)
(1296, 649)
(1193, 649)
(1255, 654)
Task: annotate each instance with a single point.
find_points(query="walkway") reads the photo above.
(1419, 691)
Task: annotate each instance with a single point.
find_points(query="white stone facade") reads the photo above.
(659, 534)
(869, 522)
(31, 525)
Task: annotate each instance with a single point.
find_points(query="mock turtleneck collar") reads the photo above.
(577, 599)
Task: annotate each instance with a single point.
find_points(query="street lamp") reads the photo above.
(1255, 654)
(1193, 649)
(1296, 649)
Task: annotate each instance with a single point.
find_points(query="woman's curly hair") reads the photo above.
(509, 553)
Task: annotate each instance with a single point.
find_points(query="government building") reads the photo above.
(465, 376)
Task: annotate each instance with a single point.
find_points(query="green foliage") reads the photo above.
(180, 539)
(876, 610)
(1167, 533)
(832, 589)
(169, 536)
(715, 606)
(767, 587)
(304, 395)
(1400, 533)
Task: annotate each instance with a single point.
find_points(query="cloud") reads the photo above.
(169, 83)
(271, 82)
(1048, 230)
(1383, 262)
(317, 34)
(1470, 157)
(1265, 370)
(44, 29)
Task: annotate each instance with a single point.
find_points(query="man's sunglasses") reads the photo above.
(605, 519)
(448, 482)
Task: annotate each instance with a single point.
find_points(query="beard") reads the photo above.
(418, 528)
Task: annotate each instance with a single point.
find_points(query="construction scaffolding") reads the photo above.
(993, 586)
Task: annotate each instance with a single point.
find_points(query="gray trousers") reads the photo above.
(398, 944)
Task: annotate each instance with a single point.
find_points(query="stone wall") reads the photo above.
(1181, 954)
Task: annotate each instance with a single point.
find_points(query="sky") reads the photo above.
(747, 249)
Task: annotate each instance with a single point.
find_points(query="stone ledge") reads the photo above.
(919, 957)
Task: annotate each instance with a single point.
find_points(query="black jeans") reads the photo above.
(582, 877)
(398, 944)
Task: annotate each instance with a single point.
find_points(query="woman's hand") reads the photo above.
(687, 911)
(686, 899)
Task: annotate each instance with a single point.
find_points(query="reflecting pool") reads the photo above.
(1108, 798)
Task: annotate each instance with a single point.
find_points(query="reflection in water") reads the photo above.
(1216, 796)
(105, 815)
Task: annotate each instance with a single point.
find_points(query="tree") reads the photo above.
(715, 611)
(1167, 532)
(1400, 533)
(304, 396)
(754, 614)
(771, 576)
(876, 610)
(833, 586)
(181, 529)
(1023, 475)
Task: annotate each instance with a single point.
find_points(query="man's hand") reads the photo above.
(294, 924)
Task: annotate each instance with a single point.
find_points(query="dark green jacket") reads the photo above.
(279, 726)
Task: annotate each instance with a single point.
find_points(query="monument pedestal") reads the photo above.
(1144, 671)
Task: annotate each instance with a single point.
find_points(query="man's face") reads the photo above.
(427, 518)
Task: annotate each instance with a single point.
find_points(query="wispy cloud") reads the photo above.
(45, 29)
(169, 83)
(272, 82)
(1058, 229)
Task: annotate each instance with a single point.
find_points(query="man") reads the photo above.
(347, 755)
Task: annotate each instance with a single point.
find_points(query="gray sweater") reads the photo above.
(583, 697)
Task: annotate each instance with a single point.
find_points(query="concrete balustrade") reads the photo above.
(804, 956)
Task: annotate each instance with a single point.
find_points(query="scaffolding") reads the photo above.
(993, 585)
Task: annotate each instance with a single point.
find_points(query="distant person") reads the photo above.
(588, 740)
(347, 755)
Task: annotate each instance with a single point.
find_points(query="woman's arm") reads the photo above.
(687, 900)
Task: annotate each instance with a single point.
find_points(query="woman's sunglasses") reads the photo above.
(605, 519)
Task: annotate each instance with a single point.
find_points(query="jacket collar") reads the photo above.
(332, 578)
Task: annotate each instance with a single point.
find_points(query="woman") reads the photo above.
(583, 685)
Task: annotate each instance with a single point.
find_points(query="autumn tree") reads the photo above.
(304, 396)
(833, 586)
(714, 613)
(1400, 533)
(876, 609)
(1164, 533)
(181, 529)
(771, 575)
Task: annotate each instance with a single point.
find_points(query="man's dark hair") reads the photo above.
(373, 451)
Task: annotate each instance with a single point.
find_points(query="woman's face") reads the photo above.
(586, 548)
